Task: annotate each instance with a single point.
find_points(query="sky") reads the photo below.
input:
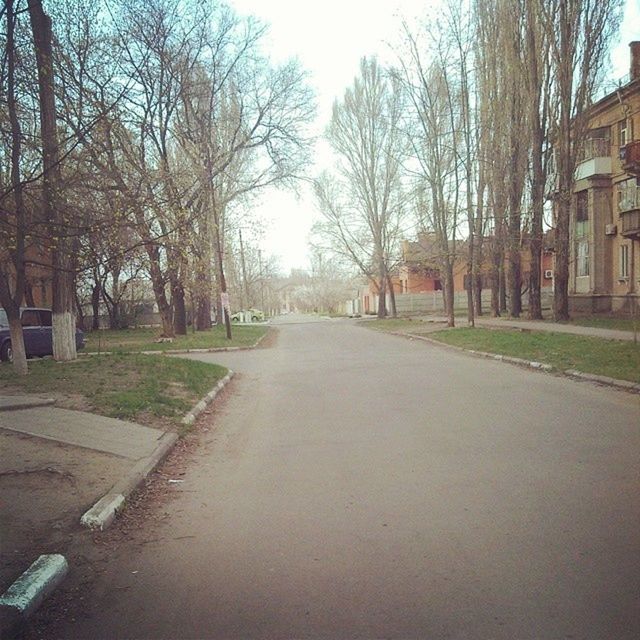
(330, 37)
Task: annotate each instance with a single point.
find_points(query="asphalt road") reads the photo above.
(361, 485)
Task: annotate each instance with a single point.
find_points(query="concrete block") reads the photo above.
(101, 515)
(26, 594)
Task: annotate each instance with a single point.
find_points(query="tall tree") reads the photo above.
(579, 32)
(365, 134)
(56, 213)
(13, 230)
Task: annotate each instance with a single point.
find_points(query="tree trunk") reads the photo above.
(179, 308)
(449, 297)
(17, 345)
(502, 294)
(95, 305)
(561, 273)
(392, 297)
(382, 295)
(538, 178)
(64, 344)
(203, 312)
(11, 299)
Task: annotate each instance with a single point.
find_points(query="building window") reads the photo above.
(624, 261)
(623, 138)
(628, 195)
(582, 213)
(582, 252)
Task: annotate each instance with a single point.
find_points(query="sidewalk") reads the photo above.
(557, 327)
(55, 464)
(536, 325)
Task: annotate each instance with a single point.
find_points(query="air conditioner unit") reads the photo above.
(610, 229)
(548, 274)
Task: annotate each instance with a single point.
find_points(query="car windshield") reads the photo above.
(3, 318)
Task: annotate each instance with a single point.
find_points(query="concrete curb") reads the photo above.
(103, 512)
(172, 352)
(612, 382)
(7, 405)
(26, 594)
(208, 399)
(540, 366)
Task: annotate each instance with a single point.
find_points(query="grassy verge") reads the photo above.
(132, 340)
(613, 358)
(148, 389)
(616, 359)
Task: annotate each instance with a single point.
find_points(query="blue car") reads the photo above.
(37, 331)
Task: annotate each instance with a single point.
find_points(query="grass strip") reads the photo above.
(132, 340)
(144, 388)
(612, 358)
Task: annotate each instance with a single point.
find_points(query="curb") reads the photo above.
(612, 382)
(103, 512)
(208, 399)
(29, 404)
(26, 594)
(171, 352)
(540, 366)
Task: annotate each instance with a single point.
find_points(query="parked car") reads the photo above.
(253, 315)
(37, 332)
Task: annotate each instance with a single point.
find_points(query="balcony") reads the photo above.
(594, 158)
(630, 212)
(630, 157)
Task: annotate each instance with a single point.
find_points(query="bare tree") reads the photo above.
(578, 32)
(64, 344)
(13, 231)
(365, 134)
(432, 128)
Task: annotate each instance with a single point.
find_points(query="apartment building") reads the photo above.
(605, 226)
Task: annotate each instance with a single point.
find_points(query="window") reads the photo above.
(628, 195)
(30, 318)
(624, 261)
(583, 258)
(582, 213)
(622, 133)
(582, 206)
(45, 317)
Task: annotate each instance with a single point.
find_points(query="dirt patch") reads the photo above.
(89, 553)
(45, 487)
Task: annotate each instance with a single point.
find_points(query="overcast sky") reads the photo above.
(330, 37)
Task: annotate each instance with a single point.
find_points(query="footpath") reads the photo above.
(63, 471)
(556, 327)
(536, 325)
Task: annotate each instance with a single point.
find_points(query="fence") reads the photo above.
(433, 301)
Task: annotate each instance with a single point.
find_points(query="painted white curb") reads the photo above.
(35, 584)
(101, 515)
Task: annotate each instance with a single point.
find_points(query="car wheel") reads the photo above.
(254, 318)
(6, 352)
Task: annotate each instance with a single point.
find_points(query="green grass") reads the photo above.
(613, 358)
(144, 388)
(132, 340)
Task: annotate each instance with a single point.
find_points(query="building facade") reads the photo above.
(605, 225)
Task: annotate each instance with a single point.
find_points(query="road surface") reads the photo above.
(361, 485)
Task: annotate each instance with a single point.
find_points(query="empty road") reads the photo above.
(361, 485)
